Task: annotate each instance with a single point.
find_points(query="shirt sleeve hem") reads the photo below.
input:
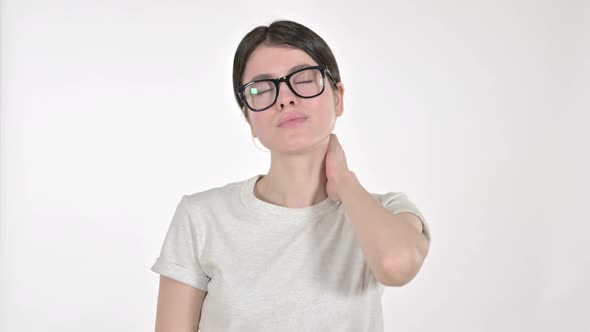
(180, 274)
(425, 228)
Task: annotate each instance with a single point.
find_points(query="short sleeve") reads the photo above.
(179, 257)
(399, 202)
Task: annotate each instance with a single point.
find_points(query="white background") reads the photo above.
(479, 111)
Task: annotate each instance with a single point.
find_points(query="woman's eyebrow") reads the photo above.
(262, 76)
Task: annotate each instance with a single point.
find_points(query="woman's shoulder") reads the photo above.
(213, 195)
(389, 197)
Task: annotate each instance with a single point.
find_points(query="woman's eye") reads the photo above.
(258, 92)
(304, 82)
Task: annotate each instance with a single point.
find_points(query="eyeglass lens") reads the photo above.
(306, 83)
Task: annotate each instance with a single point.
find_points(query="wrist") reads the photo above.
(347, 181)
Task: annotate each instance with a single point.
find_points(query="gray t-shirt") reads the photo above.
(267, 267)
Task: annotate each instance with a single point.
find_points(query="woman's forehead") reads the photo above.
(275, 61)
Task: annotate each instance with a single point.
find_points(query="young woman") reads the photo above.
(304, 247)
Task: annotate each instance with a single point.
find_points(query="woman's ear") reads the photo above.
(339, 99)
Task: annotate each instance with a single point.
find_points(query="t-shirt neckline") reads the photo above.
(263, 208)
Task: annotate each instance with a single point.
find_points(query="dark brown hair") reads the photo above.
(282, 33)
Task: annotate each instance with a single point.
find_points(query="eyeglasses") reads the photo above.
(308, 82)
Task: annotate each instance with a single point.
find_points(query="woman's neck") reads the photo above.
(295, 180)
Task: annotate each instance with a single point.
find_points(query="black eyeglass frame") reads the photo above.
(287, 79)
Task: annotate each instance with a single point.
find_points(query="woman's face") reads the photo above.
(321, 111)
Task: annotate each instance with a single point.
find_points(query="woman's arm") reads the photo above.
(179, 306)
(394, 245)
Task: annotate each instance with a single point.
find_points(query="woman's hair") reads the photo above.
(282, 33)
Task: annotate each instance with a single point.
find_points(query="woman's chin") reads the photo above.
(296, 145)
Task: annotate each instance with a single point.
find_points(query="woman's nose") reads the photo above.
(286, 96)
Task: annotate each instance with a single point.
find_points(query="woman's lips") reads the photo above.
(293, 123)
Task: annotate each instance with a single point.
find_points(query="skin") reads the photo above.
(307, 161)
(179, 306)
